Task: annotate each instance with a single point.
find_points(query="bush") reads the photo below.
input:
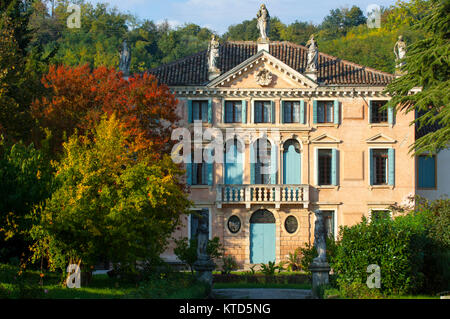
(229, 264)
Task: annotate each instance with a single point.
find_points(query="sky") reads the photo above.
(217, 15)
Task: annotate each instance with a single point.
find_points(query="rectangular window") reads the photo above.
(325, 111)
(263, 112)
(325, 162)
(379, 214)
(291, 112)
(378, 115)
(200, 111)
(426, 172)
(233, 112)
(380, 166)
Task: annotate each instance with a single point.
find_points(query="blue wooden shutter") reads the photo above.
(272, 113)
(244, 111)
(223, 111)
(189, 173)
(316, 173)
(252, 163)
(371, 175)
(257, 112)
(427, 172)
(370, 111)
(282, 119)
(302, 112)
(273, 164)
(209, 168)
(315, 111)
(334, 166)
(391, 164)
(336, 112)
(189, 111)
(210, 111)
(390, 115)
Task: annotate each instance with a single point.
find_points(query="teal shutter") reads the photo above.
(336, 112)
(209, 168)
(273, 164)
(427, 172)
(244, 111)
(189, 111)
(371, 177)
(252, 163)
(282, 113)
(390, 115)
(257, 112)
(370, 111)
(210, 111)
(223, 111)
(317, 166)
(315, 111)
(302, 112)
(334, 166)
(189, 173)
(273, 112)
(391, 163)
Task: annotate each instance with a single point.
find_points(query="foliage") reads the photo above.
(78, 97)
(294, 260)
(411, 250)
(269, 268)
(229, 264)
(26, 177)
(426, 66)
(109, 203)
(357, 290)
(186, 251)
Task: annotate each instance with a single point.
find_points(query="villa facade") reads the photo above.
(296, 141)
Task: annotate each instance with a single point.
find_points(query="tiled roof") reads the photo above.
(193, 70)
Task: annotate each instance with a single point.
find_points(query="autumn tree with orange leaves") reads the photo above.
(77, 97)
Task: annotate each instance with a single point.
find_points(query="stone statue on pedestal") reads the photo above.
(313, 54)
(204, 265)
(320, 238)
(400, 52)
(125, 59)
(263, 23)
(213, 57)
(319, 267)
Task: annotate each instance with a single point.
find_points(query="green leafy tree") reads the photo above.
(427, 68)
(108, 203)
(26, 179)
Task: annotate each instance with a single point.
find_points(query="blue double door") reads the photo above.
(262, 237)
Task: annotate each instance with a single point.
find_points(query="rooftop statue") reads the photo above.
(263, 22)
(125, 59)
(313, 53)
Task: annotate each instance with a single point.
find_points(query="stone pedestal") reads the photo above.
(263, 44)
(320, 275)
(204, 270)
(312, 75)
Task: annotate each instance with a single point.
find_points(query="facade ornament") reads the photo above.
(263, 23)
(400, 53)
(125, 59)
(213, 58)
(263, 77)
(313, 54)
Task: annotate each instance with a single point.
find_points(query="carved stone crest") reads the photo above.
(263, 77)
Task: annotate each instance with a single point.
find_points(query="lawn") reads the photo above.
(177, 285)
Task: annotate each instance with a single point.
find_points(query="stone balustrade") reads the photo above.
(262, 194)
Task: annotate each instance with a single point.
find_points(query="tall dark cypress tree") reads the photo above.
(427, 67)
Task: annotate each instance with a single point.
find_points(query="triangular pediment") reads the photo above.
(325, 139)
(380, 139)
(260, 71)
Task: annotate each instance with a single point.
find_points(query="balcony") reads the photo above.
(262, 194)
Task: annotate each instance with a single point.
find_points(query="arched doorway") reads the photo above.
(262, 237)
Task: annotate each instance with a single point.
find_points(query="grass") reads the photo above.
(179, 285)
(231, 285)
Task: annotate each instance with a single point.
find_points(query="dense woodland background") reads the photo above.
(343, 33)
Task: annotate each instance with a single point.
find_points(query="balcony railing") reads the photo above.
(262, 194)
